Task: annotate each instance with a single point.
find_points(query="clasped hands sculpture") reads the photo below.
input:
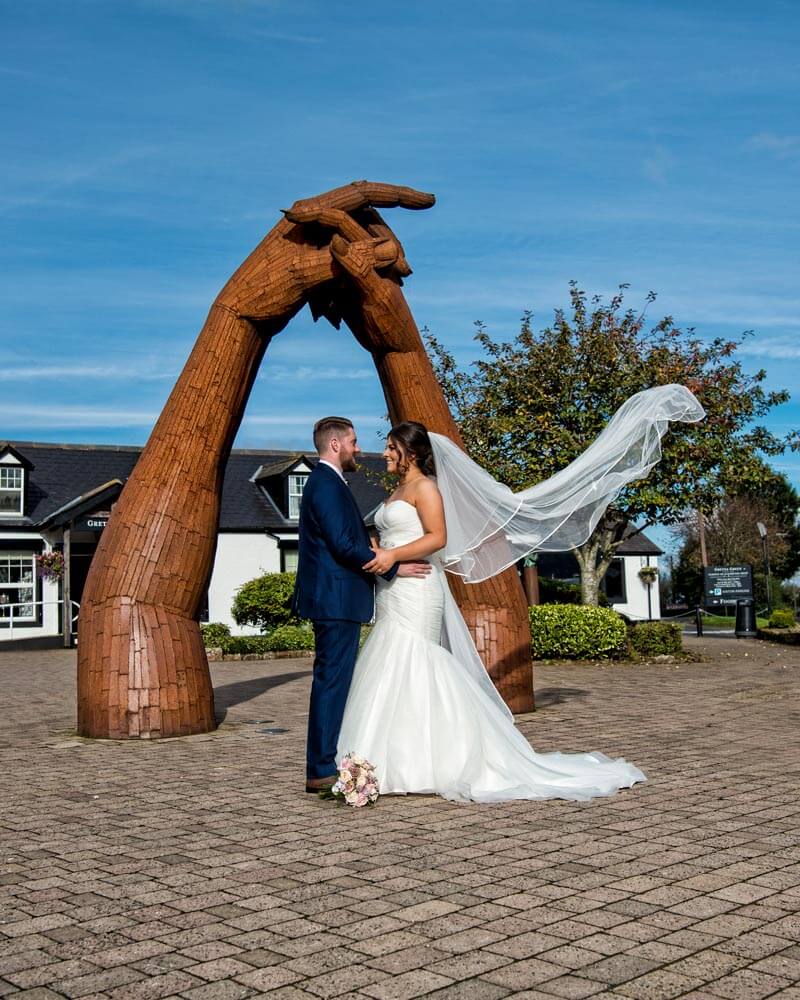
(142, 667)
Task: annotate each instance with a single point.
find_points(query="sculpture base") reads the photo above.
(504, 643)
(145, 677)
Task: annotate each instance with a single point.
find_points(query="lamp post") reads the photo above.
(762, 530)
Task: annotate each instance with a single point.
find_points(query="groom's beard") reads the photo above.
(349, 464)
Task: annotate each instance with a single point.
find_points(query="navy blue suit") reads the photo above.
(337, 595)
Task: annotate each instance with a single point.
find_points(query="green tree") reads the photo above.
(756, 493)
(528, 407)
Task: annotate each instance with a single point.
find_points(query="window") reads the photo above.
(614, 582)
(289, 559)
(18, 586)
(10, 489)
(296, 484)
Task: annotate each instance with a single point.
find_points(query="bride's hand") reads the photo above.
(382, 562)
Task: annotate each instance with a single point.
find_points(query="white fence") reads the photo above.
(8, 618)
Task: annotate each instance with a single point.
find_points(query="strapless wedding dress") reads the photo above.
(429, 722)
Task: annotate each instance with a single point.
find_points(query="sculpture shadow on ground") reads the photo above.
(226, 696)
(546, 697)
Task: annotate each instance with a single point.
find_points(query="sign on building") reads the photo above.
(727, 584)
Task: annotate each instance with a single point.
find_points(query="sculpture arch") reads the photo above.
(142, 667)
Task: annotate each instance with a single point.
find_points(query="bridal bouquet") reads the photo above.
(357, 784)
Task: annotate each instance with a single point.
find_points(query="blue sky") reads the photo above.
(147, 146)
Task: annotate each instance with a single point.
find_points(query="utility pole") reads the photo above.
(701, 531)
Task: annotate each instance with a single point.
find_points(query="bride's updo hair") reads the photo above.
(412, 441)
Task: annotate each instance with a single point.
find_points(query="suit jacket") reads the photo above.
(334, 545)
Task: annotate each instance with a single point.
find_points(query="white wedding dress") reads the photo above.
(430, 721)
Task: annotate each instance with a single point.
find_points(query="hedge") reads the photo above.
(265, 602)
(576, 632)
(655, 638)
(214, 634)
(283, 637)
(552, 591)
(782, 618)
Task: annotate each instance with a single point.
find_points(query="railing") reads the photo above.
(7, 620)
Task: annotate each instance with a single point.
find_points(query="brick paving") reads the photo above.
(198, 868)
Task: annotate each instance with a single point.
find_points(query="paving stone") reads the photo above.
(657, 889)
(416, 983)
(225, 990)
(747, 985)
(661, 984)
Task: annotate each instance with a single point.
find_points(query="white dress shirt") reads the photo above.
(337, 471)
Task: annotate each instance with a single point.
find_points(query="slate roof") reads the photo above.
(64, 472)
(639, 545)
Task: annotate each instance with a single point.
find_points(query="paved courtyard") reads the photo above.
(198, 868)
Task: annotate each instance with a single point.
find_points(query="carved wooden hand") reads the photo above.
(142, 667)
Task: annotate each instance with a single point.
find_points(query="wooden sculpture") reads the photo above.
(142, 666)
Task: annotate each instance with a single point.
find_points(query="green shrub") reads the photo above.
(782, 618)
(291, 637)
(562, 592)
(655, 638)
(558, 591)
(285, 637)
(246, 644)
(265, 602)
(214, 634)
(576, 632)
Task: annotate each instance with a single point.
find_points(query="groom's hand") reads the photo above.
(419, 568)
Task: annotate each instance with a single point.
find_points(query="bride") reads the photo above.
(421, 706)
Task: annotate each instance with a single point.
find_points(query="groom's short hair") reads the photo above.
(329, 427)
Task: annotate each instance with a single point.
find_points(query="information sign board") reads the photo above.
(727, 584)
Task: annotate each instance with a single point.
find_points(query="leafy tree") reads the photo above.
(528, 407)
(732, 537)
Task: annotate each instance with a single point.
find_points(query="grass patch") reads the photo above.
(729, 621)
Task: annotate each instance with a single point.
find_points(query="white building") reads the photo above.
(57, 497)
(625, 590)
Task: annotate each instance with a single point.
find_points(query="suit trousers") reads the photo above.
(336, 651)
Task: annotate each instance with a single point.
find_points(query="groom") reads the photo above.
(333, 590)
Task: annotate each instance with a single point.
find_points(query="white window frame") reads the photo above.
(5, 469)
(7, 589)
(295, 495)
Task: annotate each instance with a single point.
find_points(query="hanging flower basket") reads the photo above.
(51, 565)
(648, 575)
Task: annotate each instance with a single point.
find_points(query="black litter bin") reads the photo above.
(746, 619)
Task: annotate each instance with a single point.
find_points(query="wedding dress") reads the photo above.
(427, 724)
(421, 706)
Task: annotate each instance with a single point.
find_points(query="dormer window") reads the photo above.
(11, 490)
(297, 482)
(283, 482)
(14, 468)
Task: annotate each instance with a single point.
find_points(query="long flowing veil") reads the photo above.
(489, 528)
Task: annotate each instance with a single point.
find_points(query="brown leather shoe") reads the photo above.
(315, 785)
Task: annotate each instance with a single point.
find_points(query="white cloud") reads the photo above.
(32, 373)
(776, 348)
(782, 146)
(658, 164)
(57, 417)
(314, 372)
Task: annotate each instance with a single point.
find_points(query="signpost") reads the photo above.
(727, 584)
